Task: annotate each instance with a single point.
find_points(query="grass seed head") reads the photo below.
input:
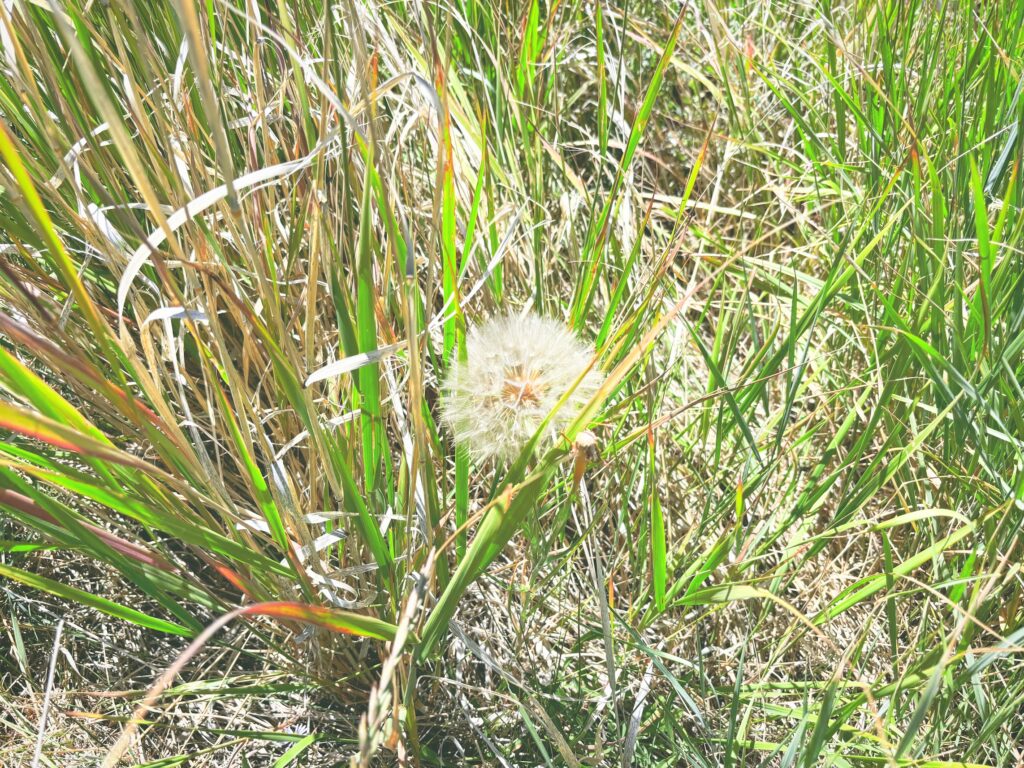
(517, 368)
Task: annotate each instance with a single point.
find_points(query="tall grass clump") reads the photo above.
(512, 383)
(243, 243)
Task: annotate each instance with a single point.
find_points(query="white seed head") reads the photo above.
(517, 369)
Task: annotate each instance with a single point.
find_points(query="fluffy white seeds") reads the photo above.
(516, 371)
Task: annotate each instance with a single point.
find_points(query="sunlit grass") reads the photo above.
(243, 244)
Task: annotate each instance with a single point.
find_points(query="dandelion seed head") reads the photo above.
(517, 368)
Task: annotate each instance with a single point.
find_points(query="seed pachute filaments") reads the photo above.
(517, 370)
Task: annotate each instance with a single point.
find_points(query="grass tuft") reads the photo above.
(243, 244)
